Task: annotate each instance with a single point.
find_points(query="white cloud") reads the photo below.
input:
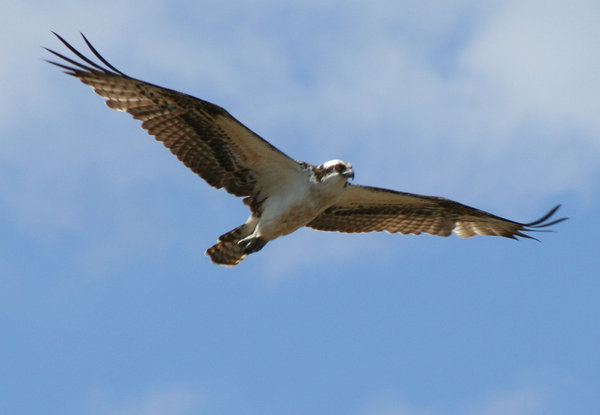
(524, 400)
(542, 58)
(394, 409)
(468, 101)
(171, 400)
(288, 255)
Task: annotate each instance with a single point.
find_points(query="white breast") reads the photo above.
(294, 204)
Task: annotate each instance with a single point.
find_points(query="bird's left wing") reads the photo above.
(371, 209)
(204, 136)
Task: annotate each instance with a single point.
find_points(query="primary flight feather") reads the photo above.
(283, 194)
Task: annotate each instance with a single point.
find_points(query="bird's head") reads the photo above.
(336, 170)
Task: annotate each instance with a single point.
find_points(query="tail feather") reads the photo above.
(232, 249)
(236, 234)
(226, 253)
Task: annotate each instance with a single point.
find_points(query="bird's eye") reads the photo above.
(339, 168)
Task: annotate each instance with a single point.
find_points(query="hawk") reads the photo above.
(283, 194)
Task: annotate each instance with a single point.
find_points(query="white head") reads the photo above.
(337, 170)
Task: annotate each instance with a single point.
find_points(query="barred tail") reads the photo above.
(226, 253)
(232, 247)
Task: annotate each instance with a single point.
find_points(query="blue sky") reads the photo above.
(108, 305)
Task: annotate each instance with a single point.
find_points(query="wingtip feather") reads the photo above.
(93, 66)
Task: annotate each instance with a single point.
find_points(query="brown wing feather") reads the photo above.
(204, 136)
(370, 209)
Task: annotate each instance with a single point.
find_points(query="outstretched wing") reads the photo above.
(370, 209)
(204, 136)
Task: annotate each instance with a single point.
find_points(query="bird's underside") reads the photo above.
(283, 194)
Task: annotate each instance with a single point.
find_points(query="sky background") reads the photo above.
(108, 305)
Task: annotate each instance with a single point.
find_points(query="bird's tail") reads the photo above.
(234, 246)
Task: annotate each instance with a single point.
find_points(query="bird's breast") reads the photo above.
(284, 213)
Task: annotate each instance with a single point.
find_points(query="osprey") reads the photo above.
(283, 194)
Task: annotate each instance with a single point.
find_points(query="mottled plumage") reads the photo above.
(371, 209)
(283, 194)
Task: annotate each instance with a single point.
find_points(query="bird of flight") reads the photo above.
(283, 194)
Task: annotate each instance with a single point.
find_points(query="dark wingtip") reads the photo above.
(543, 221)
(537, 225)
(97, 54)
(94, 67)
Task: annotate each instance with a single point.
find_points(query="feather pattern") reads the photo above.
(204, 136)
(371, 209)
(283, 194)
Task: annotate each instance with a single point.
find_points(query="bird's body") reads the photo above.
(283, 194)
(301, 200)
(297, 200)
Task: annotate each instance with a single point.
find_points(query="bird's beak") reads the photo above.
(349, 174)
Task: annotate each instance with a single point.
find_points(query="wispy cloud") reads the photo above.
(521, 401)
(395, 408)
(473, 102)
(539, 56)
(171, 400)
(524, 400)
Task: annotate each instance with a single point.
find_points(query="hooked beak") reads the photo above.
(348, 174)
